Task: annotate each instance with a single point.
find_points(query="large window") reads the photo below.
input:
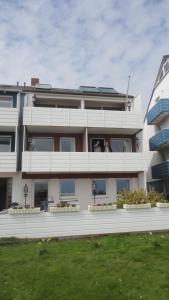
(40, 194)
(6, 102)
(5, 144)
(99, 187)
(123, 185)
(67, 188)
(41, 144)
(121, 145)
(67, 144)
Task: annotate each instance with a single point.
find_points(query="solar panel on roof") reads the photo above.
(89, 89)
(107, 90)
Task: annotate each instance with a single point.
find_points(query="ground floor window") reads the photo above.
(155, 186)
(40, 194)
(99, 187)
(67, 188)
(122, 185)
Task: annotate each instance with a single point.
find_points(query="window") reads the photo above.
(67, 188)
(99, 187)
(41, 144)
(121, 145)
(123, 185)
(67, 144)
(5, 144)
(40, 193)
(5, 102)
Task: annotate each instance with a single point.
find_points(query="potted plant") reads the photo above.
(102, 206)
(157, 199)
(64, 207)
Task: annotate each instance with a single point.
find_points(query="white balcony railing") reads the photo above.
(82, 118)
(8, 161)
(8, 117)
(82, 162)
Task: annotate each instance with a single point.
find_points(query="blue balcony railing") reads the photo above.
(160, 140)
(158, 112)
(161, 170)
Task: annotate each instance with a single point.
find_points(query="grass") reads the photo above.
(122, 267)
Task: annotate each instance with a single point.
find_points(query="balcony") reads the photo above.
(161, 170)
(40, 116)
(9, 117)
(160, 140)
(158, 112)
(40, 162)
(8, 161)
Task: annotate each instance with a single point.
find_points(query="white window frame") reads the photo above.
(8, 136)
(67, 137)
(7, 98)
(99, 196)
(41, 137)
(123, 179)
(122, 139)
(67, 198)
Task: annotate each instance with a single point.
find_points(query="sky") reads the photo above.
(69, 43)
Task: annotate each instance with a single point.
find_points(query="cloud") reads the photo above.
(91, 42)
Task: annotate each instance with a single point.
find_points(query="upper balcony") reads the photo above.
(8, 118)
(65, 117)
(8, 111)
(160, 170)
(158, 112)
(160, 140)
(44, 162)
(8, 161)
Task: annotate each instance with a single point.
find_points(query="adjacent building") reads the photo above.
(157, 132)
(69, 145)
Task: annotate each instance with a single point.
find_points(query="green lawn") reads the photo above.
(113, 267)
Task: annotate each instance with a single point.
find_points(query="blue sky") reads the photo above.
(84, 42)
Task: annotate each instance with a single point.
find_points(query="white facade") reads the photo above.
(44, 118)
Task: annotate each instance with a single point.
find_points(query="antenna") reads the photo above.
(128, 85)
(128, 102)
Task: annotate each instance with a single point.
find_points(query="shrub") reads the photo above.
(154, 197)
(139, 197)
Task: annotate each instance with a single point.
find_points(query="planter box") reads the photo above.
(136, 206)
(162, 205)
(21, 211)
(102, 207)
(55, 209)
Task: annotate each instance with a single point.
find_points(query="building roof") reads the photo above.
(82, 90)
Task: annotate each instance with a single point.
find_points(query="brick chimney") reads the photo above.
(34, 81)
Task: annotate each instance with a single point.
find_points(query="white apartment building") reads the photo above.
(157, 132)
(80, 145)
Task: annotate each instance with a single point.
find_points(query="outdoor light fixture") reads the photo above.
(25, 192)
(94, 190)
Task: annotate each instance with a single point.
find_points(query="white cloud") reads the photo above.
(73, 42)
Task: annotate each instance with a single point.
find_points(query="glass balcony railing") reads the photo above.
(158, 112)
(160, 140)
(161, 170)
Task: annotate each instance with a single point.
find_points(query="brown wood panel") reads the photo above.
(78, 175)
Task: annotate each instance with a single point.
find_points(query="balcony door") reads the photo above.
(40, 194)
(3, 193)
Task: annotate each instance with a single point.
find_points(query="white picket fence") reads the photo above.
(83, 223)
